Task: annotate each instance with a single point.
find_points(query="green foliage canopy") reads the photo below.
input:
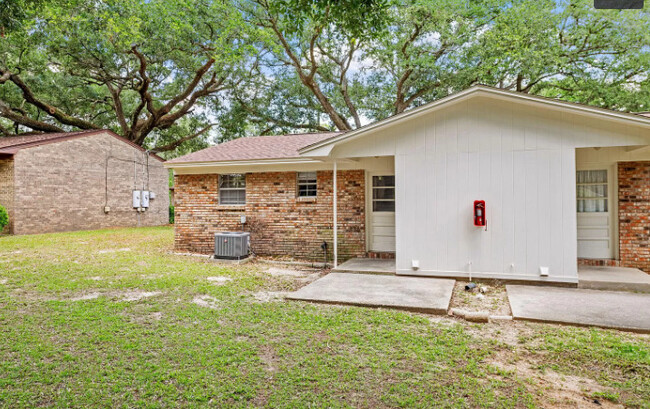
(143, 69)
(168, 73)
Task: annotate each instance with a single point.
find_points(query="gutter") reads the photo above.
(251, 162)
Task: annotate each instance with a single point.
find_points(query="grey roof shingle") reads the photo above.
(256, 147)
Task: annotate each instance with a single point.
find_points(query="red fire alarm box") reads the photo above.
(479, 213)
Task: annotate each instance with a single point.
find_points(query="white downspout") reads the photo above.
(334, 211)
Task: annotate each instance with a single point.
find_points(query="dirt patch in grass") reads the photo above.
(219, 280)
(492, 299)
(206, 301)
(508, 333)
(107, 251)
(299, 273)
(83, 297)
(129, 295)
(136, 295)
(553, 389)
(269, 358)
(144, 318)
(287, 272)
(441, 319)
(269, 296)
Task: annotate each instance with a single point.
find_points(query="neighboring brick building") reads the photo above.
(78, 181)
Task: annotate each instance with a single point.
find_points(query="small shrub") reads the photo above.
(4, 217)
(171, 214)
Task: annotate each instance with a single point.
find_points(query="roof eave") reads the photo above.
(249, 162)
(25, 145)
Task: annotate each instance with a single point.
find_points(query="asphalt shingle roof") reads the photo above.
(12, 144)
(14, 141)
(256, 147)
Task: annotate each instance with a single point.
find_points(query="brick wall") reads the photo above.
(64, 186)
(279, 222)
(7, 190)
(634, 214)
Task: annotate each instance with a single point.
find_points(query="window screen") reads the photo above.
(232, 189)
(307, 184)
(591, 190)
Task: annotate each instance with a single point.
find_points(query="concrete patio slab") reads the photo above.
(613, 278)
(428, 295)
(367, 265)
(607, 309)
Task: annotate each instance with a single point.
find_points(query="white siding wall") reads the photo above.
(519, 158)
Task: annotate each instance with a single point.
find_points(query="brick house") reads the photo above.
(562, 184)
(79, 181)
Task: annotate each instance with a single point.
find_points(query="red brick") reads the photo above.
(280, 224)
(634, 214)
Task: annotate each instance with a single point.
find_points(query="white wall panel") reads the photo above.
(519, 158)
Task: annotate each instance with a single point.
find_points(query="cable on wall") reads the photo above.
(145, 169)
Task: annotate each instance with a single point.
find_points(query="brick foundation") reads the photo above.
(634, 214)
(383, 255)
(599, 262)
(280, 223)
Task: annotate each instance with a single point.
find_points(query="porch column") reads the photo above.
(335, 209)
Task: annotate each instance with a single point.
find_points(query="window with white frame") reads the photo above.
(591, 191)
(383, 193)
(232, 189)
(307, 184)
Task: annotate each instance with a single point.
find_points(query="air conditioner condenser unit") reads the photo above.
(231, 245)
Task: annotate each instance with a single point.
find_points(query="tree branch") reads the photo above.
(211, 87)
(117, 105)
(7, 112)
(280, 122)
(179, 142)
(308, 79)
(190, 87)
(53, 111)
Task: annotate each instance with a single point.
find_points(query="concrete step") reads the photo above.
(367, 266)
(613, 279)
(574, 306)
(426, 295)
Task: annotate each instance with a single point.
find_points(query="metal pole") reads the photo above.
(335, 210)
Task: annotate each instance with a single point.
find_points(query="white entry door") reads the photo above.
(594, 206)
(382, 212)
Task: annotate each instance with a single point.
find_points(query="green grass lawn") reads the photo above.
(112, 318)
